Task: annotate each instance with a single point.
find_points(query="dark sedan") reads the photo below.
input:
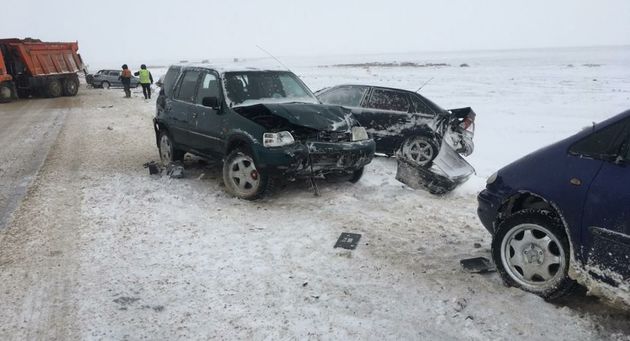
(563, 213)
(405, 121)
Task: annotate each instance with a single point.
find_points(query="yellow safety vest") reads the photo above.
(144, 76)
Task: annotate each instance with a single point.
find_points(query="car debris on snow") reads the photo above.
(154, 167)
(477, 265)
(175, 170)
(348, 241)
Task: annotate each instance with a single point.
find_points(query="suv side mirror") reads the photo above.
(211, 102)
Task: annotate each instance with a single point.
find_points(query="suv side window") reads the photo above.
(114, 73)
(188, 86)
(169, 80)
(349, 96)
(603, 144)
(389, 100)
(209, 87)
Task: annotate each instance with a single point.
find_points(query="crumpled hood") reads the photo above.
(316, 116)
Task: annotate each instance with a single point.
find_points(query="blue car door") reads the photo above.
(606, 219)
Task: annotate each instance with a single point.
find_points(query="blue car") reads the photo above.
(562, 214)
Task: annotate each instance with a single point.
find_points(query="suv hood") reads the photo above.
(315, 116)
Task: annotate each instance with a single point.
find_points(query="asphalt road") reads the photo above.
(27, 130)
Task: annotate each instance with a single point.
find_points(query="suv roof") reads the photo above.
(228, 68)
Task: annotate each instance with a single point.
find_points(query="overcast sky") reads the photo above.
(184, 29)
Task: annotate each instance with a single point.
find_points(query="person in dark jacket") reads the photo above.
(125, 79)
(146, 79)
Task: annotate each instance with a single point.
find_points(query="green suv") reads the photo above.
(264, 124)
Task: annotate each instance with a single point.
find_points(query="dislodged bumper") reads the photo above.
(300, 159)
(448, 171)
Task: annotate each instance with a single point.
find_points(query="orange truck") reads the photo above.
(32, 67)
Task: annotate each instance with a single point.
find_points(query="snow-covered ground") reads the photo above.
(101, 250)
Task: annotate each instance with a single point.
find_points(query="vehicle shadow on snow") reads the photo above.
(211, 170)
(610, 319)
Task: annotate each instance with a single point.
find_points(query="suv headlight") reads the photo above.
(278, 139)
(359, 134)
(492, 178)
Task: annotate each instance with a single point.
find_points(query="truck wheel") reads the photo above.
(419, 150)
(6, 93)
(241, 176)
(531, 252)
(168, 152)
(70, 86)
(105, 85)
(54, 88)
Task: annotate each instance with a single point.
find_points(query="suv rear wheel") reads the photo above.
(168, 152)
(531, 252)
(241, 176)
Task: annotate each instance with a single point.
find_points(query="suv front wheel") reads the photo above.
(241, 176)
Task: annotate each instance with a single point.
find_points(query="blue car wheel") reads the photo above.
(531, 252)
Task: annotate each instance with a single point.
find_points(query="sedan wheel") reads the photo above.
(420, 150)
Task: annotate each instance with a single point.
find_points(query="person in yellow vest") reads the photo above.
(146, 79)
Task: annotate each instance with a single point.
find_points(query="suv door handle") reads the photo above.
(575, 181)
(194, 115)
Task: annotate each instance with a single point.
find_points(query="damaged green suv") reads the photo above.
(264, 124)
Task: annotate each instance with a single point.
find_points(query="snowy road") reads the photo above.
(27, 129)
(98, 249)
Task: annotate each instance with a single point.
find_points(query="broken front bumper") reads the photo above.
(300, 159)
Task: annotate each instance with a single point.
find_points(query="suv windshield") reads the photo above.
(253, 87)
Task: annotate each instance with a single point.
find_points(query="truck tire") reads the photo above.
(6, 93)
(70, 87)
(54, 88)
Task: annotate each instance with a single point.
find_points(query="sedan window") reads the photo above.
(389, 100)
(349, 96)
